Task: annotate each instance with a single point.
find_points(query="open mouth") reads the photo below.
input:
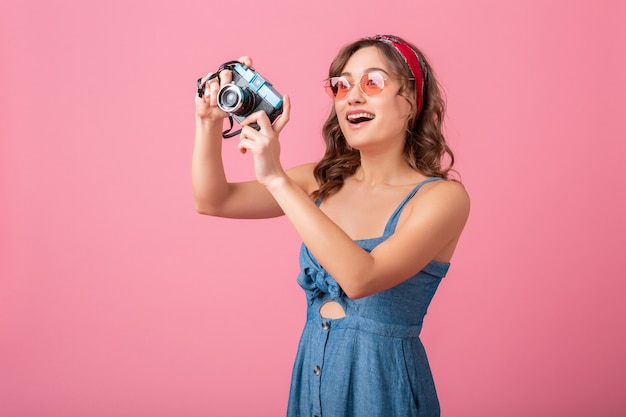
(360, 117)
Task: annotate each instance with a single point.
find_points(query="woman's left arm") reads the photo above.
(434, 221)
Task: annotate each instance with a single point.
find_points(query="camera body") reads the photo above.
(249, 92)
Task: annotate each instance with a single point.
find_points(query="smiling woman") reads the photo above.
(378, 216)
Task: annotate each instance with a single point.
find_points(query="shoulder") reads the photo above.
(443, 198)
(449, 188)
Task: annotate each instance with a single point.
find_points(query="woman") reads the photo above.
(379, 212)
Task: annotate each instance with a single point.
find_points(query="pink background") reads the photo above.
(117, 299)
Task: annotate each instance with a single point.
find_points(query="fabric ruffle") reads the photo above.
(316, 281)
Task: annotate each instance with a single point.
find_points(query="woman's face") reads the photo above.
(370, 121)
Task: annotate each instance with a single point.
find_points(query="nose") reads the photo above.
(355, 95)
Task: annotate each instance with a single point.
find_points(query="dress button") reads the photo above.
(317, 370)
(325, 325)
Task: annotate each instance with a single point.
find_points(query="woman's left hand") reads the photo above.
(264, 143)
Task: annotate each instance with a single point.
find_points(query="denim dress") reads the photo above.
(370, 363)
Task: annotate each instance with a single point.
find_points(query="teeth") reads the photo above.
(360, 116)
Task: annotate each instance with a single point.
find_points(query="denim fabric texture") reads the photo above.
(371, 362)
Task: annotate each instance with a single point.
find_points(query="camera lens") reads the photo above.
(230, 99)
(233, 99)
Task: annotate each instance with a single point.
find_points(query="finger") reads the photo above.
(246, 60)
(226, 77)
(203, 85)
(242, 145)
(206, 77)
(262, 119)
(283, 119)
(212, 88)
(249, 135)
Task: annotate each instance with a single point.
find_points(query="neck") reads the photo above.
(384, 170)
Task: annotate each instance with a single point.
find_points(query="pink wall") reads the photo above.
(117, 299)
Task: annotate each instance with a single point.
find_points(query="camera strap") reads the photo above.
(227, 134)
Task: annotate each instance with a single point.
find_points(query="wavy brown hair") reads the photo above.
(425, 147)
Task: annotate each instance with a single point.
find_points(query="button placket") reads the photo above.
(318, 359)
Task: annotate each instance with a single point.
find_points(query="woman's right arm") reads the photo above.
(213, 194)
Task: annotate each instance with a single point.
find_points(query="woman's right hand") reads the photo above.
(206, 106)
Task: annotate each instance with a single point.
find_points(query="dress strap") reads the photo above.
(393, 220)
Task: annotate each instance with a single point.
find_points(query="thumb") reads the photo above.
(283, 119)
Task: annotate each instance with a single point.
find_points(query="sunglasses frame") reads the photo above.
(330, 90)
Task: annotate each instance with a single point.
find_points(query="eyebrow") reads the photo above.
(367, 71)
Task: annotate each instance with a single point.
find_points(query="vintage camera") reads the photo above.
(248, 93)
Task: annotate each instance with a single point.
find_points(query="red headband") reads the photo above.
(415, 62)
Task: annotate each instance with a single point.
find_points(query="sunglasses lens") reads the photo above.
(337, 87)
(372, 83)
